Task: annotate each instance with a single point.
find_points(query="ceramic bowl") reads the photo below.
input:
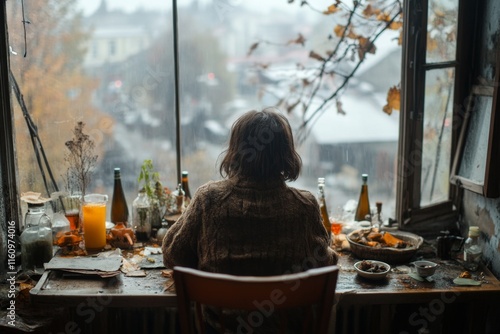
(387, 254)
(425, 268)
(374, 264)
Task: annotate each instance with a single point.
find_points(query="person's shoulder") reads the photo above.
(213, 187)
(304, 196)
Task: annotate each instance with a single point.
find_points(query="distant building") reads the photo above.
(365, 139)
(117, 35)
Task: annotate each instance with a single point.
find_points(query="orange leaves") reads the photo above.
(432, 43)
(365, 46)
(384, 17)
(370, 11)
(393, 100)
(396, 25)
(339, 30)
(331, 9)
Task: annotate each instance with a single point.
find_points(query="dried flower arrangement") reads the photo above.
(81, 160)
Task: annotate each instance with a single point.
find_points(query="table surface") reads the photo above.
(154, 290)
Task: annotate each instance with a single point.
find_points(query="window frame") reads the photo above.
(8, 163)
(409, 213)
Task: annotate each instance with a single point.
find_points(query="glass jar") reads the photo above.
(141, 215)
(472, 249)
(162, 231)
(36, 239)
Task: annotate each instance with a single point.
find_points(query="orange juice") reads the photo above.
(94, 225)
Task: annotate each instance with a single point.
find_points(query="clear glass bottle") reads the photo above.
(36, 239)
(472, 250)
(180, 203)
(363, 210)
(322, 206)
(119, 208)
(141, 216)
(377, 220)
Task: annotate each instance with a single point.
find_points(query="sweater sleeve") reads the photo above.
(181, 241)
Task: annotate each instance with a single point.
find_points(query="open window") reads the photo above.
(435, 81)
(476, 162)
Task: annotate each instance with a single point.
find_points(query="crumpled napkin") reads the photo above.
(34, 198)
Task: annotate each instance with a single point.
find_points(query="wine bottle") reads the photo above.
(322, 206)
(363, 209)
(119, 208)
(185, 186)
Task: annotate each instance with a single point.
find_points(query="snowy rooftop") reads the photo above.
(364, 121)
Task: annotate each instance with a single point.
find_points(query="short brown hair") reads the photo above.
(261, 147)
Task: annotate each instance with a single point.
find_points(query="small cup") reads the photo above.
(425, 268)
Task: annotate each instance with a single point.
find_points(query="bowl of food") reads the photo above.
(391, 247)
(425, 268)
(372, 269)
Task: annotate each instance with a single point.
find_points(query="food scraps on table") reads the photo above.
(377, 239)
(371, 267)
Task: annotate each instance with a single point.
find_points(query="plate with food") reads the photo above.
(391, 247)
(372, 269)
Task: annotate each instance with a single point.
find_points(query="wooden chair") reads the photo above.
(255, 294)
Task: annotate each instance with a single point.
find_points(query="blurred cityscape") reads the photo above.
(130, 55)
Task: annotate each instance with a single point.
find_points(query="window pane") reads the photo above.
(436, 150)
(442, 30)
(112, 66)
(102, 66)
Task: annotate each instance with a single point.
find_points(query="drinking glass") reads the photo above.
(94, 221)
(72, 205)
(336, 225)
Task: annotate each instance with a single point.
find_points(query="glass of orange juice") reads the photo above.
(94, 221)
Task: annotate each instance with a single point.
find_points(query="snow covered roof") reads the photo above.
(364, 122)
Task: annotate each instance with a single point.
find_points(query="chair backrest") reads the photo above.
(250, 293)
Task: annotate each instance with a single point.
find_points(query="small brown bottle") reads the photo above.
(363, 210)
(322, 206)
(119, 208)
(185, 186)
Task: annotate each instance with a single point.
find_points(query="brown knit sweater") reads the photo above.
(242, 228)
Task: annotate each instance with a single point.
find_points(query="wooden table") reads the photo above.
(361, 304)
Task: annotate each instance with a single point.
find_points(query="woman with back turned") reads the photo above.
(252, 222)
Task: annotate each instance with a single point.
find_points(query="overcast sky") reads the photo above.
(89, 6)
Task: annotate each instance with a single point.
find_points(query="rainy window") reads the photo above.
(334, 70)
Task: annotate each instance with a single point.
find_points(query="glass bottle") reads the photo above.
(36, 239)
(119, 208)
(363, 209)
(162, 231)
(179, 199)
(472, 250)
(141, 216)
(185, 187)
(377, 220)
(322, 206)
